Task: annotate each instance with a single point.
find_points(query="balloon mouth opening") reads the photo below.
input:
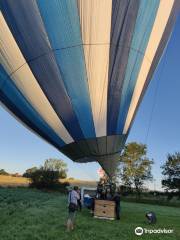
(94, 147)
(104, 150)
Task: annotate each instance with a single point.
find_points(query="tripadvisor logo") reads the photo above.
(139, 231)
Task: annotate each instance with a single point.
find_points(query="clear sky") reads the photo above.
(159, 112)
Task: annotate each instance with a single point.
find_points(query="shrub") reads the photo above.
(47, 179)
(3, 172)
(29, 171)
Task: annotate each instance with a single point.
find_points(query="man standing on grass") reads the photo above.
(79, 200)
(73, 207)
(117, 200)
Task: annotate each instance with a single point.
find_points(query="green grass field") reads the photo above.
(33, 215)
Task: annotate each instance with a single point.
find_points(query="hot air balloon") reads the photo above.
(75, 71)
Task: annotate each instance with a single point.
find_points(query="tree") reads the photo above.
(53, 164)
(135, 166)
(58, 165)
(47, 176)
(3, 172)
(47, 179)
(171, 172)
(44, 178)
(29, 172)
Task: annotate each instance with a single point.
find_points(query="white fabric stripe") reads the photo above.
(95, 19)
(162, 16)
(12, 59)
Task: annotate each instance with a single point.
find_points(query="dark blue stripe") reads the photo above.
(124, 13)
(25, 23)
(61, 20)
(11, 97)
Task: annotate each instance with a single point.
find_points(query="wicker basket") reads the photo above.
(104, 209)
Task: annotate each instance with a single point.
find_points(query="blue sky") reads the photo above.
(159, 112)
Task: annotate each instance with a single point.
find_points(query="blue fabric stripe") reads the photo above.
(26, 25)
(124, 14)
(145, 20)
(61, 21)
(11, 97)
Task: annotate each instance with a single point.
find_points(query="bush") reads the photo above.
(47, 179)
(3, 172)
(29, 171)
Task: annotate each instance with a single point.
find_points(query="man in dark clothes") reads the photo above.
(117, 200)
(151, 217)
(92, 205)
(79, 200)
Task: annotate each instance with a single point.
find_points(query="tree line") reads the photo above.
(135, 168)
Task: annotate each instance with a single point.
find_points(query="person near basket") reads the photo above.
(117, 200)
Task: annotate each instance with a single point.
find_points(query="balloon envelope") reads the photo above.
(75, 71)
